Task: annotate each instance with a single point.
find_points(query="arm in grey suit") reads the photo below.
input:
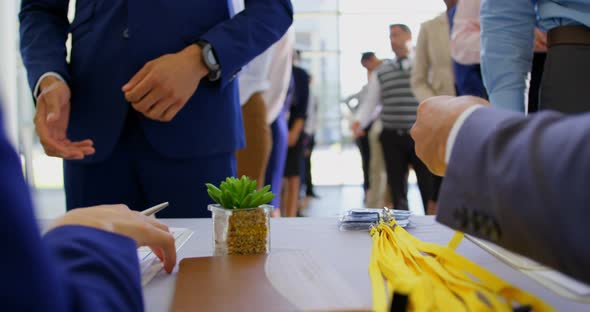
(523, 184)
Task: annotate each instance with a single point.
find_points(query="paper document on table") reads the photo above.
(514, 260)
(149, 263)
(559, 283)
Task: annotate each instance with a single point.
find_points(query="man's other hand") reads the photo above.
(163, 86)
(51, 121)
(436, 116)
(356, 130)
(120, 220)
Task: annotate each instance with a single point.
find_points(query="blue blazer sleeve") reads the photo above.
(523, 184)
(71, 269)
(43, 32)
(239, 40)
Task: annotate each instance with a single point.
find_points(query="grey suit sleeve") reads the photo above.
(522, 183)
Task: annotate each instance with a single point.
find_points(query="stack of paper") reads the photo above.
(149, 263)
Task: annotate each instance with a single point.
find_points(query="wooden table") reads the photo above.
(347, 252)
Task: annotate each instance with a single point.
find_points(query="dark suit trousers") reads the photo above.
(363, 145)
(535, 85)
(137, 175)
(399, 153)
(565, 79)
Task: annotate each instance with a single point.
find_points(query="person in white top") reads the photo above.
(376, 194)
(253, 82)
(279, 75)
(275, 98)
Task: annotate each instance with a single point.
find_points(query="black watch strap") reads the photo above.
(210, 60)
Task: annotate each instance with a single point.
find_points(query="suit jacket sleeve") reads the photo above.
(238, 40)
(71, 269)
(522, 183)
(43, 31)
(419, 80)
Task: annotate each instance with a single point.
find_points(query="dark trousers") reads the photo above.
(307, 178)
(278, 156)
(138, 176)
(535, 85)
(399, 153)
(363, 145)
(564, 87)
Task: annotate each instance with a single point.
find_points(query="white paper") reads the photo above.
(149, 263)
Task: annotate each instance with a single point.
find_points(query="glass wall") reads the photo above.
(332, 34)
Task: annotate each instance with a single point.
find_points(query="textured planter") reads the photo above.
(241, 231)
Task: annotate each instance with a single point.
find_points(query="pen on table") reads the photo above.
(150, 211)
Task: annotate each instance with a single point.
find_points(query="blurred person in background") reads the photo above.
(296, 121)
(508, 44)
(433, 74)
(465, 42)
(377, 194)
(276, 98)
(389, 88)
(466, 49)
(370, 62)
(253, 82)
(309, 131)
(537, 69)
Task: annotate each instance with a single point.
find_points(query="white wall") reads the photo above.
(8, 66)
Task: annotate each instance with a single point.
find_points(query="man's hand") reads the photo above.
(540, 41)
(436, 116)
(292, 138)
(356, 130)
(51, 121)
(120, 220)
(163, 86)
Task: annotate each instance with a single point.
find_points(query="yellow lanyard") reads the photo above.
(436, 278)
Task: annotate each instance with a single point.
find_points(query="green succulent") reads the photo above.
(239, 193)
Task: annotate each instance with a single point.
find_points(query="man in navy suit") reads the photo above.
(87, 261)
(520, 182)
(146, 110)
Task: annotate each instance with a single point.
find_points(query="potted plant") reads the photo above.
(241, 217)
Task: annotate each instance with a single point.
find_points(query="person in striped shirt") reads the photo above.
(389, 91)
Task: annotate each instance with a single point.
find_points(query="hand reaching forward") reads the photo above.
(51, 121)
(163, 86)
(120, 220)
(435, 119)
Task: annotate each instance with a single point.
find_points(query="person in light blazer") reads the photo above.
(432, 74)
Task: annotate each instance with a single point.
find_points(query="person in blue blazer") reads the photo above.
(87, 261)
(146, 108)
(520, 182)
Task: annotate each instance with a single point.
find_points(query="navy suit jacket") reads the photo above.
(71, 268)
(112, 40)
(523, 184)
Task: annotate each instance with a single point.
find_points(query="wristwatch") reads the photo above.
(210, 60)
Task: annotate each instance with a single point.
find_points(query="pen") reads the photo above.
(150, 211)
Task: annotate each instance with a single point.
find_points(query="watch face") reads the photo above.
(211, 57)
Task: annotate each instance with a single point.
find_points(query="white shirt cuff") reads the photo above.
(455, 130)
(38, 85)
